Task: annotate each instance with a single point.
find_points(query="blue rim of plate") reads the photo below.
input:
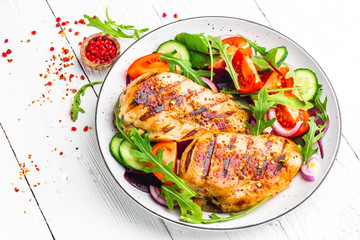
(250, 225)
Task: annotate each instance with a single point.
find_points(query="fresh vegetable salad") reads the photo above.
(280, 100)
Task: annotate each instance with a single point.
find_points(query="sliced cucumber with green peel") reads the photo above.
(181, 51)
(130, 160)
(263, 67)
(115, 146)
(307, 80)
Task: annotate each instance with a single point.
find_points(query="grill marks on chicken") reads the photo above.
(234, 171)
(172, 107)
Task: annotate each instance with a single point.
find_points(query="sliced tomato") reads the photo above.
(248, 78)
(169, 155)
(278, 80)
(148, 63)
(235, 43)
(288, 118)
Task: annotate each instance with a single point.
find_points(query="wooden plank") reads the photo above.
(77, 194)
(20, 215)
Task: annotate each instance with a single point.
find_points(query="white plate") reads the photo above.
(282, 203)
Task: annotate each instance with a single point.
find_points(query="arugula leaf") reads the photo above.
(322, 107)
(291, 73)
(291, 102)
(216, 43)
(256, 47)
(201, 60)
(187, 206)
(184, 65)
(260, 61)
(310, 138)
(114, 29)
(75, 108)
(260, 109)
(195, 42)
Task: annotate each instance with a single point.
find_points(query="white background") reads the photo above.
(77, 198)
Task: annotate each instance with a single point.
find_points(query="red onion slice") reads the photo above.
(308, 170)
(154, 192)
(211, 84)
(280, 130)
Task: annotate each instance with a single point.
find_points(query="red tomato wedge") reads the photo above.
(235, 43)
(248, 78)
(169, 155)
(278, 80)
(288, 118)
(148, 63)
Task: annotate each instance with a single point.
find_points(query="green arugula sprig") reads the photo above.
(114, 29)
(75, 108)
(185, 65)
(322, 107)
(260, 108)
(217, 44)
(310, 138)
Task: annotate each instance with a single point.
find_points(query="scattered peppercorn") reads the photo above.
(4, 54)
(100, 50)
(76, 22)
(175, 15)
(82, 77)
(86, 128)
(82, 21)
(6, 40)
(70, 30)
(73, 129)
(63, 24)
(33, 32)
(164, 15)
(58, 25)
(71, 76)
(16, 189)
(94, 17)
(80, 43)
(73, 91)
(52, 49)
(76, 33)
(8, 51)
(58, 19)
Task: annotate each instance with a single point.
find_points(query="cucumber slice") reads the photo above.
(115, 146)
(181, 51)
(306, 79)
(130, 160)
(263, 67)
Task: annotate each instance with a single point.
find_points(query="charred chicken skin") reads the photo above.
(232, 172)
(171, 107)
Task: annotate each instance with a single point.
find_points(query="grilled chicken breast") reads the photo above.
(234, 171)
(171, 107)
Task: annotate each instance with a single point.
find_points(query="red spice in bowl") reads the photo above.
(99, 51)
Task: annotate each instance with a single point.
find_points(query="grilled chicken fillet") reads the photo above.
(234, 171)
(171, 107)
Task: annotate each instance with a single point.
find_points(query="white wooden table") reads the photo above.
(73, 196)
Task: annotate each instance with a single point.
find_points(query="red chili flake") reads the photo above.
(84, 38)
(8, 51)
(76, 22)
(4, 54)
(164, 15)
(6, 40)
(33, 32)
(57, 25)
(76, 33)
(63, 24)
(48, 84)
(70, 29)
(29, 156)
(82, 77)
(66, 51)
(35, 185)
(52, 49)
(73, 91)
(9, 60)
(38, 169)
(73, 129)
(175, 15)
(94, 17)
(82, 21)
(71, 76)
(58, 19)
(86, 128)
(61, 153)
(80, 43)
(16, 189)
